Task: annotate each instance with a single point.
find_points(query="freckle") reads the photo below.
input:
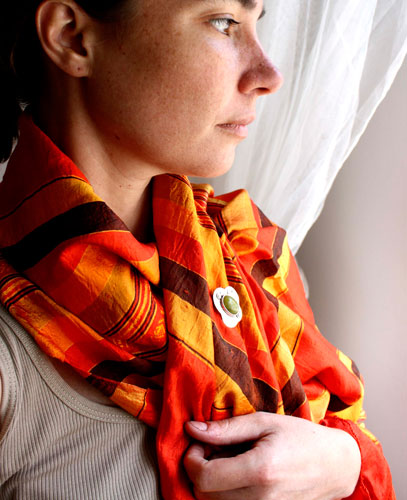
(117, 137)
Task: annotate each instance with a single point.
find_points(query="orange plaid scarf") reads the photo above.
(138, 320)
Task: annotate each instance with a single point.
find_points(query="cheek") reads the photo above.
(188, 73)
(198, 87)
(164, 100)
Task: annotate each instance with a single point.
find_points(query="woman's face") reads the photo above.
(176, 89)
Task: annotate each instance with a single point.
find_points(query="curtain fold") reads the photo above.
(339, 59)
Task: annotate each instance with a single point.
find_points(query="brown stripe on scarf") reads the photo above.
(119, 370)
(269, 267)
(293, 394)
(235, 364)
(181, 281)
(268, 396)
(336, 404)
(265, 221)
(79, 221)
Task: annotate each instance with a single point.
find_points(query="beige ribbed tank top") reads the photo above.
(55, 444)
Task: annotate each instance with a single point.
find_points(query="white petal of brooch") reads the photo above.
(226, 301)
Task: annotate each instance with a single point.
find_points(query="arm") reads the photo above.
(375, 482)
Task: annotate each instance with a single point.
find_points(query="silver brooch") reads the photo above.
(226, 301)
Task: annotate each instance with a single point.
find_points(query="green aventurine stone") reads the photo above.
(230, 304)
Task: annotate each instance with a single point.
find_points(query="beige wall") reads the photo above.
(355, 259)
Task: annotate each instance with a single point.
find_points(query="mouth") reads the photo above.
(238, 127)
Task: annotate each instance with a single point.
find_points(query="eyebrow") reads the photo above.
(249, 5)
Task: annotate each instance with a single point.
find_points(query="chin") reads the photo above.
(214, 168)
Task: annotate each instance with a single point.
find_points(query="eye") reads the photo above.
(223, 24)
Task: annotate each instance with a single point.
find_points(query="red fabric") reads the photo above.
(375, 478)
(138, 320)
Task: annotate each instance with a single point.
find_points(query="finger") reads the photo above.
(195, 460)
(234, 430)
(224, 474)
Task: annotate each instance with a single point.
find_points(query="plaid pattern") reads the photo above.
(137, 320)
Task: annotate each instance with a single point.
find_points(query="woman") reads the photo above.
(176, 305)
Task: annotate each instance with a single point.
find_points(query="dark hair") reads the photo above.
(21, 61)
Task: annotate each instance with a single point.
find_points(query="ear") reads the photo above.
(65, 33)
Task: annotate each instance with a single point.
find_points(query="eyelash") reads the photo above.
(230, 24)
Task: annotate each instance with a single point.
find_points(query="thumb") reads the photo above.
(233, 430)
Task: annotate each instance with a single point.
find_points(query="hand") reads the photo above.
(288, 459)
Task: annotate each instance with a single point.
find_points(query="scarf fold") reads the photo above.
(138, 320)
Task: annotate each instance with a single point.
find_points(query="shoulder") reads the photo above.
(8, 372)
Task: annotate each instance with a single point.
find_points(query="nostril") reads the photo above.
(270, 77)
(262, 78)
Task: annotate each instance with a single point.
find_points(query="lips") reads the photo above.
(241, 121)
(238, 127)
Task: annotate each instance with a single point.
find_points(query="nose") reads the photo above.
(262, 78)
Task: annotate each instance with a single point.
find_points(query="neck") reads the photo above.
(122, 182)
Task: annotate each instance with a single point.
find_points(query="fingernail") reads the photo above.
(201, 426)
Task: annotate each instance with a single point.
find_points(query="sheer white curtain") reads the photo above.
(338, 58)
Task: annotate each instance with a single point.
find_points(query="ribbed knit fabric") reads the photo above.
(57, 445)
